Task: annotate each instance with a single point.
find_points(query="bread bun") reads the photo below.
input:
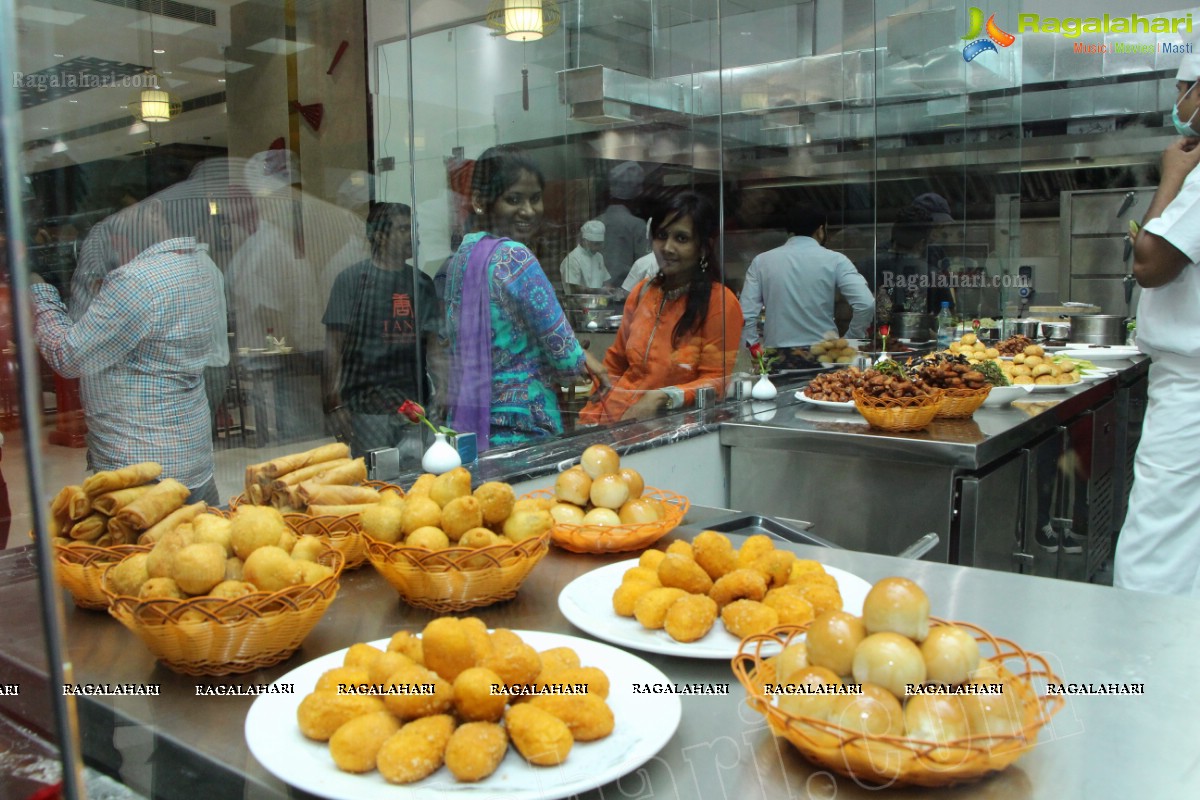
(600, 459)
(633, 479)
(890, 660)
(935, 718)
(609, 491)
(638, 512)
(993, 714)
(573, 486)
(567, 514)
(897, 605)
(793, 659)
(832, 639)
(876, 712)
(951, 654)
(601, 516)
(817, 706)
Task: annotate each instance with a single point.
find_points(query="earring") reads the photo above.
(478, 210)
(704, 263)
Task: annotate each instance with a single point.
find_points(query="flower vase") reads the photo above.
(441, 456)
(763, 389)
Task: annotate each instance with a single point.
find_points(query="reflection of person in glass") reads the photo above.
(374, 360)
(583, 268)
(901, 275)
(510, 343)
(680, 329)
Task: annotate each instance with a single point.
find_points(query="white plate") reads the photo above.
(826, 404)
(1003, 395)
(1101, 352)
(645, 722)
(587, 603)
(1088, 376)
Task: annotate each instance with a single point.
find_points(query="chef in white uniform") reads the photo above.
(1159, 546)
(583, 269)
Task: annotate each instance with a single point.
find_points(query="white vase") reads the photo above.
(441, 456)
(763, 389)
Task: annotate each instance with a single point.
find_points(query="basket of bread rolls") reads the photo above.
(113, 514)
(320, 492)
(225, 594)
(600, 507)
(897, 697)
(446, 547)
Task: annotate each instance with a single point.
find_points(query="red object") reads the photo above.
(341, 51)
(411, 411)
(312, 113)
(756, 350)
(52, 792)
(278, 144)
(884, 330)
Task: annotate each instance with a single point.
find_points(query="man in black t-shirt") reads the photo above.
(382, 318)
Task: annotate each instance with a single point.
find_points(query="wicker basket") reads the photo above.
(898, 760)
(213, 636)
(898, 414)
(456, 578)
(80, 567)
(618, 538)
(961, 403)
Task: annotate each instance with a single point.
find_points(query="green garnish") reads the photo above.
(992, 372)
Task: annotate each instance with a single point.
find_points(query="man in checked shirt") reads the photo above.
(141, 347)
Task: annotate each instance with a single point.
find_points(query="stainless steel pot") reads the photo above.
(1023, 327)
(587, 302)
(908, 325)
(1098, 329)
(1056, 330)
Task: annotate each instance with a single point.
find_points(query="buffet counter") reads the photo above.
(180, 745)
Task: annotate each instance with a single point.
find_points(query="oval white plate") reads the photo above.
(587, 603)
(826, 404)
(645, 722)
(1101, 352)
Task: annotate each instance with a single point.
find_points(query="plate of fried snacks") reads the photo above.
(829, 405)
(700, 599)
(459, 711)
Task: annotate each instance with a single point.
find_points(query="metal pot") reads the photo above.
(587, 302)
(1098, 329)
(1056, 330)
(909, 325)
(1023, 327)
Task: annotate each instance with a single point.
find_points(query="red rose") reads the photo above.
(756, 350)
(884, 330)
(411, 411)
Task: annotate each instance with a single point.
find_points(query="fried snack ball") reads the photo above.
(790, 605)
(312, 572)
(587, 715)
(481, 638)
(822, 598)
(690, 618)
(542, 738)
(533, 504)
(450, 485)
(461, 515)
(428, 537)
(197, 568)
(714, 554)
(162, 557)
(232, 590)
(474, 699)
(644, 574)
(651, 608)
(478, 538)
(419, 512)
(383, 521)
(776, 567)
(557, 658)
(161, 587)
(651, 559)
(362, 656)
(682, 548)
(391, 497)
(416, 751)
(593, 678)
(745, 618)
(448, 647)
(684, 573)
(287, 540)
(628, 593)
(812, 578)
(741, 584)
(355, 745)
(387, 664)
(271, 569)
(527, 524)
(409, 644)
(129, 575)
(802, 566)
(410, 696)
(495, 501)
(253, 527)
(421, 486)
(757, 545)
(234, 569)
(308, 548)
(475, 750)
(322, 713)
(512, 659)
(331, 679)
(211, 528)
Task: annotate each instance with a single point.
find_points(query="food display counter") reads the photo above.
(180, 745)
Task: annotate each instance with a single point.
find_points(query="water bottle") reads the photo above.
(945, 327)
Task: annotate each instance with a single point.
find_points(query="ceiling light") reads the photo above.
(159, 50)
(59, 55)
(523, 20)
(154, 106)
(59, 146)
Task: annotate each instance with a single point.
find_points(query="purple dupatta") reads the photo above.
(471, 377)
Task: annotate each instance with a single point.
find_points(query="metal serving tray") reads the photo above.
(751, 524)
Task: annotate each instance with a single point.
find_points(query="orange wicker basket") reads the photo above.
(618, 538)
(898, 414)
(961, 403)
(899, 760)
(215, 636)
(80, 567)
(456, 578)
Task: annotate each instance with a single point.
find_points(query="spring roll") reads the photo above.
(89, 528)
(288, 498)
(286, 464)
(119, 536)
(173, 520)
(111, 480)
(111, 502)
(60, 506)
(154, 505)
(347, 474)
(297, 477)
(338, 510)
(323, 494)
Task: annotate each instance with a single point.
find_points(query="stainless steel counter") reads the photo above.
(1097, 747)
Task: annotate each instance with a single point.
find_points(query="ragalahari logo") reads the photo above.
(995, 36)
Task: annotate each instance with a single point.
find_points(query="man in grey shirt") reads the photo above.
(797, 284)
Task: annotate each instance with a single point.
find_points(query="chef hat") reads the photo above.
(625, 180)
(936, 205)
(1189, 66)
(593, 230)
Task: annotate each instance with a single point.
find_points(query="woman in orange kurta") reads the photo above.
(680, 330)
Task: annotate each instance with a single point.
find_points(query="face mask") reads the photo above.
(1184, 128)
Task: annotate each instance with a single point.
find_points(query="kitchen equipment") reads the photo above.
(599, 319)
(1056, 330)
(588, 302)
(1024, 327)
(909, 325)
(1098, 329)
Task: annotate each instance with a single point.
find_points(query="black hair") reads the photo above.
(911, 228)
(705, 227)
(380, 219)
(497, 169)
(804, 220)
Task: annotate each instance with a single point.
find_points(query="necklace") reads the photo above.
(675, 294)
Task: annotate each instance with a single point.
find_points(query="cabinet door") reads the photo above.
(990, 516)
